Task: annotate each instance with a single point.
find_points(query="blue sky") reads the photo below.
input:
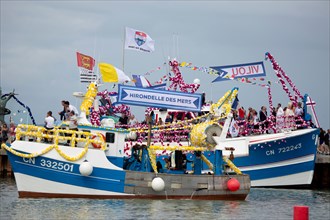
(39, 40)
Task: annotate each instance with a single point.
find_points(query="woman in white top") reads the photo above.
(279, 118)
(289, 116)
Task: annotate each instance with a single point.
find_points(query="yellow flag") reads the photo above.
(108, 72)
(112, 74)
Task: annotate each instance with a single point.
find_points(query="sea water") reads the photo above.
(261, 203)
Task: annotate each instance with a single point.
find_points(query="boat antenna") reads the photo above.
(124, 49)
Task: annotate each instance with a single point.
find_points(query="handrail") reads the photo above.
(58, 134)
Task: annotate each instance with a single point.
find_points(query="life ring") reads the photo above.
(96, 136)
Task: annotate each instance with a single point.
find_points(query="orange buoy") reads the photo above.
(233, 184)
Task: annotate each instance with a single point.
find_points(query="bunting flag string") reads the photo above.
(246, 80)
(154, 70)
(161, 80)
(202, 69)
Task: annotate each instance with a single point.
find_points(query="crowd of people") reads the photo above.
(324, 142)
(7, 134)
(254, 122)
(250, 121)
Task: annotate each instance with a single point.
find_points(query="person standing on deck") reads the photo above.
(279, 118)
(263, 117)
(69, 108)
(49, 121)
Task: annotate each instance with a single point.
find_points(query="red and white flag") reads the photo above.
(86, 65)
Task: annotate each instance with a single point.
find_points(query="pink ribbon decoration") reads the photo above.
(278, 71)
(177, 80)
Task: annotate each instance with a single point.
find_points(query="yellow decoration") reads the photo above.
(208, 163)
(11, 150)
(152, 156)
(38, 133)
(232, 165)
(183, 64)
(198, 136)
(225, 102)
(78, 157)
(89, 98)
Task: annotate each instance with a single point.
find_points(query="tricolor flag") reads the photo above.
(141, 81)
(86, 65)
(112, 74)
(138, 40)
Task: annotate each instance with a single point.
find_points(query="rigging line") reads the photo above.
(166, 66)
(177, 45)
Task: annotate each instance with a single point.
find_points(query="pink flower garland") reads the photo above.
(95, 115)
(177, 80)
(278, 70)
(270, 98)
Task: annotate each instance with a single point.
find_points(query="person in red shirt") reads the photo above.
(241, 113)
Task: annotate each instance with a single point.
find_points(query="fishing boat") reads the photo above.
(281, 154)
(90, 163)
(282, 159)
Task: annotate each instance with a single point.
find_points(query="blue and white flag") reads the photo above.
(138, 40)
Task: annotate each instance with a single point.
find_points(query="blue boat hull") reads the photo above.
(286, 160)
(50, 175)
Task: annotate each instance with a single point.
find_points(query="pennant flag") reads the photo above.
(86, 65)
(247, 70)
(138, 40)
(141, 81)
(112, 74)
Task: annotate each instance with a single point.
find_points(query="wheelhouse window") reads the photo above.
(110, 137)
